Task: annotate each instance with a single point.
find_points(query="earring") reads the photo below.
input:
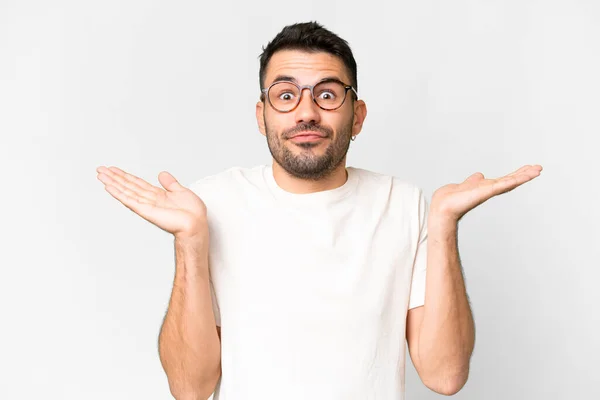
(353, 138)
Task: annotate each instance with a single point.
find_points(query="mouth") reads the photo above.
(307, 136)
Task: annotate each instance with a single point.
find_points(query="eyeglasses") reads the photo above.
(329, 94)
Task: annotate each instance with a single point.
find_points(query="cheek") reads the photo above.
(279, 123)
(337, 122)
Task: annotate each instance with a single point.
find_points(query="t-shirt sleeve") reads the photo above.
(417, 289)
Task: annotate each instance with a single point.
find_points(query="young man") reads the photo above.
(314, 273)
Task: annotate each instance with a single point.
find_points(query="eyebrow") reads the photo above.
(289, 78)
(280, 78)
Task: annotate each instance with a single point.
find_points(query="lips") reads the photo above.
(307, 134)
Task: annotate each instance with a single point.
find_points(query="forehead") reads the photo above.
(306, 67)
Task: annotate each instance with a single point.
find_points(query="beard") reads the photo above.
(307, 164)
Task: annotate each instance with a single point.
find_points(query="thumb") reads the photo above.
(475, 177)
(168, 181)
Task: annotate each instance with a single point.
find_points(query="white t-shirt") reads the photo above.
(312, 290)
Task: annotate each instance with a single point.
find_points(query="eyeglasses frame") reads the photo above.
(265, 93)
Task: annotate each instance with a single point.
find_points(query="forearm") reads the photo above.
(189, 346)
(447, 333)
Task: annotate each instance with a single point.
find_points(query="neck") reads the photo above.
(296, 185)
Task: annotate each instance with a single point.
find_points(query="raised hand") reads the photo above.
(174, 209)
(453, 201)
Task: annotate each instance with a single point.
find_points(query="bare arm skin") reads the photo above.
(189, 341)
(441, 334)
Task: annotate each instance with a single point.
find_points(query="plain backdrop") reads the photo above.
(452, 88)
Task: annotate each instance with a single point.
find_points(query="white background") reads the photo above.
(452, 88)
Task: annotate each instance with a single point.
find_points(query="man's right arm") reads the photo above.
(189, 344)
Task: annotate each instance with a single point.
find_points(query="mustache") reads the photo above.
(307, 127)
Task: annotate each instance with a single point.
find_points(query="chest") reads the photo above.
(325, 266)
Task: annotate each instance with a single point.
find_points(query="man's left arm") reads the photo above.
(441, 334)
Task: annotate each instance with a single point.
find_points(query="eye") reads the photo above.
(326, 95)
(286, 96)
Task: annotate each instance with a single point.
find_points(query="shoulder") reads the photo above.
(402, 198)
(395, 185)
(230, 182)
(231, 176)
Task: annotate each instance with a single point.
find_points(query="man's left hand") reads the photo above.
(451, 202)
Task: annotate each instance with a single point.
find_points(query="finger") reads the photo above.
(477, 176)
(127, 200)
(523, 168)
(537, 168)
(134, 179)
(527, 168)
(514, 179)
(169, 182)
(140, 196)
(510, 182)
(125, 185)
(528, 173)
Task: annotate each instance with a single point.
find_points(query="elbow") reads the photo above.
(448, 384)
(450, 389)
(182, 389)
(190, 395)
(202, 392)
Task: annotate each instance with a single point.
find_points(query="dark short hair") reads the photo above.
(310, 37)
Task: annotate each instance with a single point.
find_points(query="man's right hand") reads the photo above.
(174, 209)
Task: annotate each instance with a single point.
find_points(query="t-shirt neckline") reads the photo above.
(322, 198)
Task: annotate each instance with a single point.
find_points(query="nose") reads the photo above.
(307, 111)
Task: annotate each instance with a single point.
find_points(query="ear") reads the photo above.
(360, 113)
(260, 117)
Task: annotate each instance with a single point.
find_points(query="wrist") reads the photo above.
(441, 223)
(192, 250)
(192, 240)
(192, 236)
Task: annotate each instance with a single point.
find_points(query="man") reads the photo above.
(312, 272)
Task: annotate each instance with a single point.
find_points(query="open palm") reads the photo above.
(455, 200)
(175, 209)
